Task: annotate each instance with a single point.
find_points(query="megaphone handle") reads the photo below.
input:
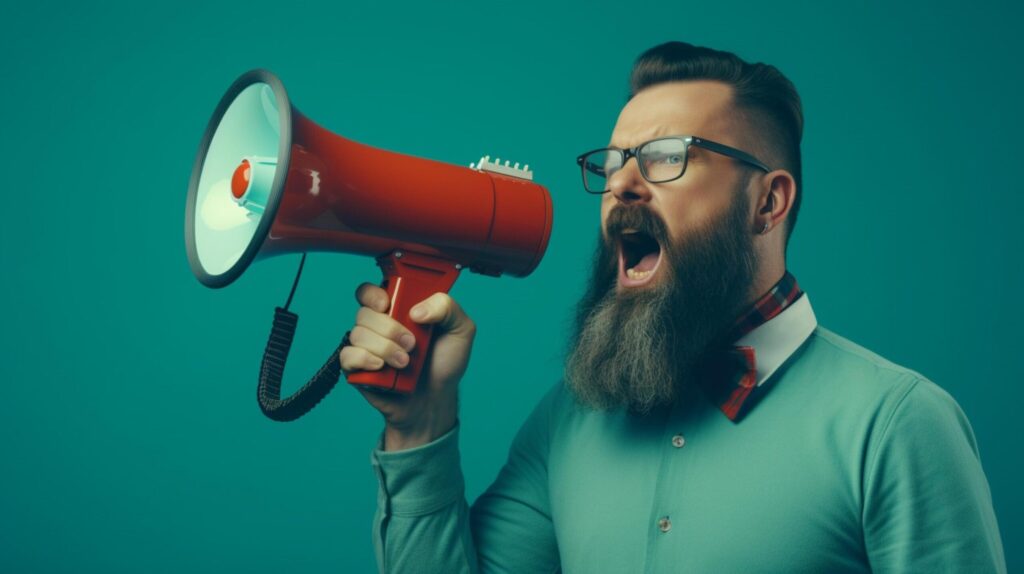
(409, 278)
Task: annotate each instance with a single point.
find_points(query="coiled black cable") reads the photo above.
(268, 392)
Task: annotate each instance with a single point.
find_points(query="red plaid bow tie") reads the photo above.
(730, 375)
(733, 375)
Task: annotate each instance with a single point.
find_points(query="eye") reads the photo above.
(665, 159)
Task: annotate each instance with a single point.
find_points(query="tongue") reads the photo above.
(648, 262)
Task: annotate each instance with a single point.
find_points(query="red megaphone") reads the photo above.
(268, 181)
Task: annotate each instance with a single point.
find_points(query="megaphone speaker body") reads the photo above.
(268, 181)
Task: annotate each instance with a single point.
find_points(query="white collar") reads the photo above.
(776, 340)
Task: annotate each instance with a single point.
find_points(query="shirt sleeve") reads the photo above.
(927, 504)
(423, 523)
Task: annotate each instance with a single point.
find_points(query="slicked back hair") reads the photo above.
(764, 98)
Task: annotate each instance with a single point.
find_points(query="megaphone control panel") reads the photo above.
(485, 164)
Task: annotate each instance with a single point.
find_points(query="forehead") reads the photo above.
(700, 107)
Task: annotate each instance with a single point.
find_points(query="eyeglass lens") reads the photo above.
(661, 160)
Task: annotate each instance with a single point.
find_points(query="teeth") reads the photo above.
(634, 274)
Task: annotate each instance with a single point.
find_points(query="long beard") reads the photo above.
(640, 348)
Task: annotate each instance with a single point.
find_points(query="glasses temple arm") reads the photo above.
(731, 152)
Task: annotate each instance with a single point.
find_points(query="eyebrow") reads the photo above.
(660, 132)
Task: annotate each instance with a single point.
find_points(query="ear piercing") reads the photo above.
(765, 228)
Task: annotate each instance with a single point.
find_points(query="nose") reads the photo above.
(628, 184)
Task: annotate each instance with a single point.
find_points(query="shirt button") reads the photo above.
(664, 524)
(678, 441)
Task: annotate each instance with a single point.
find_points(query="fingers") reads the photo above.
(386, 327)
(370, 352)
(377, 339)
(372, 296)
(440, 309)
(380, 347)
(356, 359)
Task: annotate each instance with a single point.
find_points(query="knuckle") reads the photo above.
(358, 335)
(372, 343)
(395, 330)
(346, 358)
(370, 320)
(363, 315)
(443, 300)
(355, 359)
(390, 349)
(441, 305)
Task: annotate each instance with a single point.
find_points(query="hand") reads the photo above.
(378, 340)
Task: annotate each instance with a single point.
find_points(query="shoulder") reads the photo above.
(556, 402)
(853, 392)
(916, 461)
(906, 450)
(882, 415)
(546, 416)
(838, 352)
(834, 370)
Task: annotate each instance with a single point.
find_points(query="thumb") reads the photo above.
(441, 310)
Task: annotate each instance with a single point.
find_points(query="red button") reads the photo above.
(240, 179)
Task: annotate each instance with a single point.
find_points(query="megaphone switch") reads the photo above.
(268, 181)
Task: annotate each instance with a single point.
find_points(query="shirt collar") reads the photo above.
(777, 339)
(768, 334)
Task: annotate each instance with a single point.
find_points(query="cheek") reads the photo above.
(687, 211)
(682, 216)
(607, 203)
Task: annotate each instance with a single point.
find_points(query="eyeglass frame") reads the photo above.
(627, 153)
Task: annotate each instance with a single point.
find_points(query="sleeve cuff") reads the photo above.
(420, 480)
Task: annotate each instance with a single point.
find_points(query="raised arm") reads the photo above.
(423, 523)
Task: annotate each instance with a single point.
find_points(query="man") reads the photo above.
(706, 423)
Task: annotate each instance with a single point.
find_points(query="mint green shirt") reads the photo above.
(848, 464)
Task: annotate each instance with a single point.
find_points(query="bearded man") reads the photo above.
(706, 422)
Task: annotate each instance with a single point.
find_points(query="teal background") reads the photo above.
(131, 440)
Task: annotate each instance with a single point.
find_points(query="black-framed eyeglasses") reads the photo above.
(660, 160)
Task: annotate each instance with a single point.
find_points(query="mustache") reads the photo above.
(635, 217)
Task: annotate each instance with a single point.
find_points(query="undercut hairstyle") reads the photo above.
(763, 97)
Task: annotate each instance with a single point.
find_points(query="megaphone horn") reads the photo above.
(268, 181)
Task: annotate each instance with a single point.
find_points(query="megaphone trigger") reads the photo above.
(408, 279)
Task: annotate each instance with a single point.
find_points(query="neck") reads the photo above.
(768, 274)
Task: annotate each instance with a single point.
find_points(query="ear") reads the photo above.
(776, 194)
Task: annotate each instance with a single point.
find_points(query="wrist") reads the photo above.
(426, 428)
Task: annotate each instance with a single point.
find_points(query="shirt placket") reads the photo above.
(662, 542)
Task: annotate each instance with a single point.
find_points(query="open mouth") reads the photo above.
(639, 257)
